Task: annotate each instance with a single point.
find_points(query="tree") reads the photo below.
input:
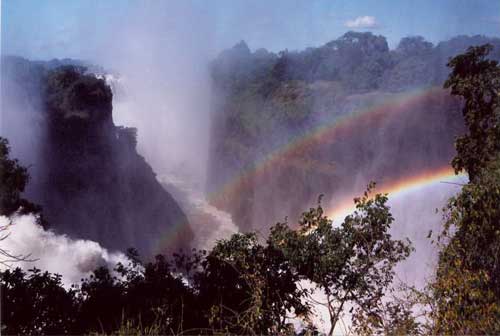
(402, 312)
(476, 79)
(135, 297)
(13, 181)
(466, 291)
(249, 288)
(465, 294)
(35, 303)
(156, 294)
(241, 286)
(414, 45)
(352, 264)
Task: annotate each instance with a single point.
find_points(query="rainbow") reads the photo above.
(402, 187)
(342, 126)
(339, 127)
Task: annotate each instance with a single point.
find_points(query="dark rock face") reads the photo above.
(72, 95)
(91, 182)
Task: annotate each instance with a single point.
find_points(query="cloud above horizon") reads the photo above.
(366, 21)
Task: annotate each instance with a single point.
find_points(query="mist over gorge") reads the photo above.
(188, 167)
(294, 123)
(328, 120)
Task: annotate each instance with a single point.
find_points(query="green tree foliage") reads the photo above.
(413, 65)
(395, 315)
(466, 291)
(150, 294)
(476, 79)
(465, 296)
(352, 264)
(35, 303)
(13, 181)
(140, 295)
(415, 45)
(240, 287)
(249, 288)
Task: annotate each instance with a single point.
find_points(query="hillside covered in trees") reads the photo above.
(328, 120)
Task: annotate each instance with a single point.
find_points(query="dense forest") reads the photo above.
(248, 284)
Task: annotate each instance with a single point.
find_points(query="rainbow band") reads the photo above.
(341, 126)
(402, 187)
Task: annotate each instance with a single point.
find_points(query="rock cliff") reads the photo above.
(86, 172)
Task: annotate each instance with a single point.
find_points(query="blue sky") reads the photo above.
(75, 28)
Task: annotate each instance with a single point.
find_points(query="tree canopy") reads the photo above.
(476, 79)
(466, 291)
(13, 181)
(241, 286)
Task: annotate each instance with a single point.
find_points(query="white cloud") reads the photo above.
(363, 22)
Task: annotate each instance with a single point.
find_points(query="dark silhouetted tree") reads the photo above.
(35, 303)
(476, 79)
(13, 181)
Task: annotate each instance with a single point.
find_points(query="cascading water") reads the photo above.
(181, 176)
(209, 223)
(162, 87)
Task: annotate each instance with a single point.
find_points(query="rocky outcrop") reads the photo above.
(90, 180)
